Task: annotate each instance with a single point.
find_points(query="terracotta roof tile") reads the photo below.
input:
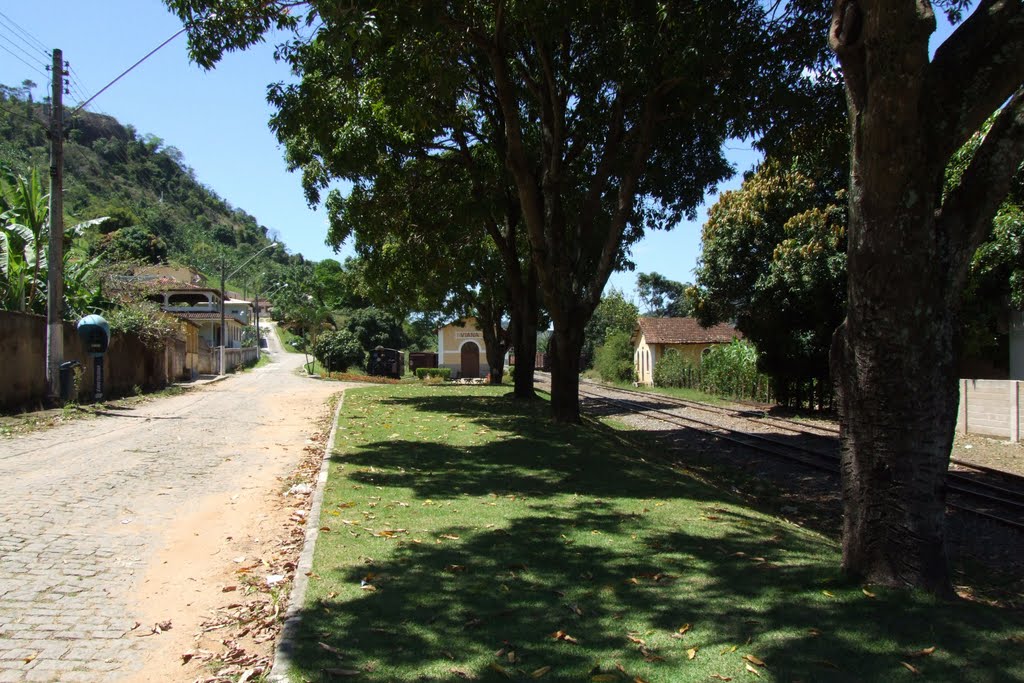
(685, 331)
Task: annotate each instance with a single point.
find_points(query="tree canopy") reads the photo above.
(662, 297)
(773, 260)
(608, 117)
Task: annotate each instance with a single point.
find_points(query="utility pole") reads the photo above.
(223, 336)
(55, 259)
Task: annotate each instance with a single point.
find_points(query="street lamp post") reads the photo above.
(223, 280)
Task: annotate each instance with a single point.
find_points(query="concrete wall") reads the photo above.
(127, 364)
(990, 407)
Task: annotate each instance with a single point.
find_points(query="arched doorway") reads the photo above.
(470, 359)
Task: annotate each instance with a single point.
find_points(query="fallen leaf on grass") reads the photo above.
(450, 537)
(683, 629)
(634, 639)
(728, 650)
(500, 669)
(922, 653)
(754, 660)
(813, 632)
(605, 678)
(562, 635)
(752, 670)
(911, 668)
(333, 650)
(541, 672)
(828, 594)
(720, 677)
(692, 653)
(868, 593)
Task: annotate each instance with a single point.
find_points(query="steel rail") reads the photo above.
(828, 462)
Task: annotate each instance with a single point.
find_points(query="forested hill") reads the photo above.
(159, 211)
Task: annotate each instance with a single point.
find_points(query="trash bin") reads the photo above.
(66, 368)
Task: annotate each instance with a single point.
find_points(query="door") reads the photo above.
(470, 360)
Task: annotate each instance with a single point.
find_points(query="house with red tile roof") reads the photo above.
(654, 337)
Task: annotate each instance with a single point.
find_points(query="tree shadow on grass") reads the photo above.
(617, 554)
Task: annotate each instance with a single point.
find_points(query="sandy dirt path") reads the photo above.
(113, 525)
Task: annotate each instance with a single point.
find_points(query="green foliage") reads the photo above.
(24, 228)
(157, 209)
(672, 370)
(338, 350)
(663, 298)
(588, 116)
(613, 360)
(143, 319)
(725, 370)
(773, 260)
(615, 313)
(731, 370)
(136, 244)
(442, 373)
(373, 327)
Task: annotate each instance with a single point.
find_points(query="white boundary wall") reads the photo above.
(990, 407)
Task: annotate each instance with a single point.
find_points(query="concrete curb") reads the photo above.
(292, 618)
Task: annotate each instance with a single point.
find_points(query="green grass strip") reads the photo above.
(466, 537)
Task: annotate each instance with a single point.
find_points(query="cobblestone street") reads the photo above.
(85, 509)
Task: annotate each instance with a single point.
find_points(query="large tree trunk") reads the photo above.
(495, 340)
(897, 391)
(524, 340)
(566, 344)
(524, 336)
(893, 358)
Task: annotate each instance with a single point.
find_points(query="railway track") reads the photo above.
(990, 494)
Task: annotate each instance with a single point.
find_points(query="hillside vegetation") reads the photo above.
(158, 211)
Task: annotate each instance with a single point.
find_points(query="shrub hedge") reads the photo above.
(443, 373)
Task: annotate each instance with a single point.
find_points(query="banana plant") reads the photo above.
(24, 224)
(24, 232)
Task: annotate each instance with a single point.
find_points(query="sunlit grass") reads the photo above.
(465, 536)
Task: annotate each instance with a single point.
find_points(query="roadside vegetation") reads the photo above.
(463, 536)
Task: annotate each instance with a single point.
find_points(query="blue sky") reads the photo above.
(218, 119)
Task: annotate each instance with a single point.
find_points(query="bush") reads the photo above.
(731, 370)
(336, 351)
(726, 370)
(444, 374)
(672, 370)
(613, 360)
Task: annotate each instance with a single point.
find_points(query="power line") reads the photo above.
(4, 19)
(126, 71)
(34, 68)
(19, 47)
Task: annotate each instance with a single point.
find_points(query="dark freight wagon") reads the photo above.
(422, 359)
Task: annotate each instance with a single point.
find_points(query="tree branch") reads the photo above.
(966, 214)
(975, 70)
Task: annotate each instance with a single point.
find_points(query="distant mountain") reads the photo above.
(159, 211)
